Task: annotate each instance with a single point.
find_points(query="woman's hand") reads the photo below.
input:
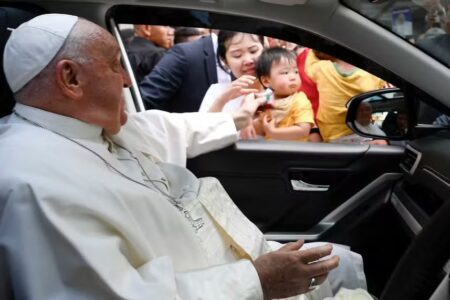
(239, 87)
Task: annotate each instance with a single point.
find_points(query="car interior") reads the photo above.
(388, 203)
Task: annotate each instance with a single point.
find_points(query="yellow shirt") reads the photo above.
(335, 89)
(291, 111)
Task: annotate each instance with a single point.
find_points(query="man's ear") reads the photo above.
(147, 30)
(68, 78)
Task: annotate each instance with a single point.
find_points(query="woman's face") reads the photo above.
(241, 54)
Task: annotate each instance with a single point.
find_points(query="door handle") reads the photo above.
(300, 185)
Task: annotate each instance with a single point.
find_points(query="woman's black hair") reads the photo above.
(222, 38)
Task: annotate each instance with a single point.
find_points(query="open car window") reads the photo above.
(292, 38)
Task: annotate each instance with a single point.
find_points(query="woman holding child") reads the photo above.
(288, 116)
(239, 52)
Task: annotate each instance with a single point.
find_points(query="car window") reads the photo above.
(424, 23)
(322, 76)
(275, 34)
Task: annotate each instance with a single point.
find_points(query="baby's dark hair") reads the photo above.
(270, 56)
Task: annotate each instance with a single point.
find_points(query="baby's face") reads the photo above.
(284, 79)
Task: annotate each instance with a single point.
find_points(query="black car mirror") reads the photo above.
(379, 114)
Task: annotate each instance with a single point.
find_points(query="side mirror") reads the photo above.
(379, 114)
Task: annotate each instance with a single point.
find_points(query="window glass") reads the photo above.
(307, 90)
(424, 23)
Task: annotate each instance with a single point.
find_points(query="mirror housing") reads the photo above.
(379, 114)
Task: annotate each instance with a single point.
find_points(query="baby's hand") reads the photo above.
(268, 125)
(248, 133)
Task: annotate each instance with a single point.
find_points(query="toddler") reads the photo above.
(288, 114)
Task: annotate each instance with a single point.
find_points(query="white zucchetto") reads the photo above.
(32, 46)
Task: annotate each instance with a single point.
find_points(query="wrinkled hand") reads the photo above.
(244, 115)
(288, 271)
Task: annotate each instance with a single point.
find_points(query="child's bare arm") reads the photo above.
(294, 132)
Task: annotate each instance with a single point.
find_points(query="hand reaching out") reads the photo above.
(244, 115)
(238, 87)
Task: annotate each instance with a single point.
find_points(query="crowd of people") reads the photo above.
(307, 90)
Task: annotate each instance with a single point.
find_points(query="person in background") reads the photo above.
(180, 80)
(438, 46)
(365, 124)
(146, 48)
(189, 34)
(288, 115)
(337, 81)
(364, 120)
(305, 58)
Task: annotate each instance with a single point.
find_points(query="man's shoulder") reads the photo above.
(205, 40)
(138, 44)
(194, 48)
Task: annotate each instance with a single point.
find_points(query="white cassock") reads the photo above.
(79, 219)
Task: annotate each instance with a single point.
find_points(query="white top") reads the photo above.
(214, 91)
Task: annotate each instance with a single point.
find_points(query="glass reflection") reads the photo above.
(383, 115)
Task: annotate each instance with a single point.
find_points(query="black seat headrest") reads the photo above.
(10, 18)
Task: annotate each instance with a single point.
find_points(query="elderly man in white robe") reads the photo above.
(95, 207)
